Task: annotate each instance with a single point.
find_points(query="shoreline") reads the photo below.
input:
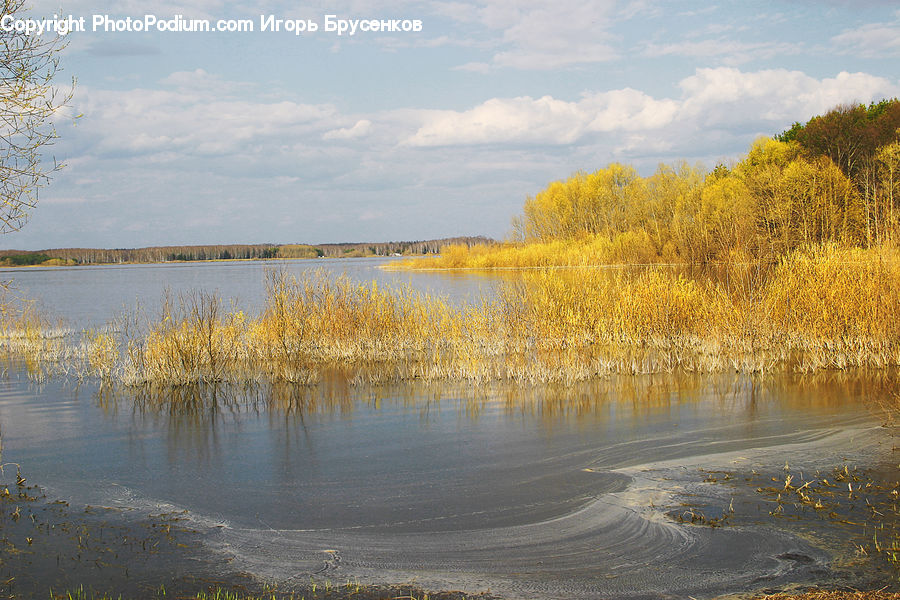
(192, 564)
(205, 260)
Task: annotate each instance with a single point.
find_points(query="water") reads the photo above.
(540, 491)
(90, 296)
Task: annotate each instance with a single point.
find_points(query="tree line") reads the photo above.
(835, 178)
(156, 254)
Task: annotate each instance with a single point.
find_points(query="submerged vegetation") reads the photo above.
(826, 307)
(855, 508)
(835, 595)
(351, 589)
(140, 558)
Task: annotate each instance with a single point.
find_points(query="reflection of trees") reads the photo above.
(283, 422)
(207, 406)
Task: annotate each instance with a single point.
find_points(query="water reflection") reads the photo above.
(411, 458)
(192, 418)
(339, 393)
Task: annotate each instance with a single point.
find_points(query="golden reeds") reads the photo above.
(25, 332)
(819, 308)
(630, 247)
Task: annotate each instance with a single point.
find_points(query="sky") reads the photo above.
(180, 137)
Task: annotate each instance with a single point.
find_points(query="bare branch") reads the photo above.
(28, 102)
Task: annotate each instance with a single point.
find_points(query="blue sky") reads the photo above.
(197, 138)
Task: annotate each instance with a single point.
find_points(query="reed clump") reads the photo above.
(629, 247)
(310, 328)
(819, 308)
(37, 339)
(194, 341)
(101, 352)
(840, 294)
(318, 324)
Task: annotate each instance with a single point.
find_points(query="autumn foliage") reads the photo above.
(834, 180)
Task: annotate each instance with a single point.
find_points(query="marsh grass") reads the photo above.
(367, 592)
(851, 510)
(625, 248)
(194, 340)
(820, 308)
(40, 341)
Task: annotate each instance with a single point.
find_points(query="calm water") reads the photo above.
(91, 296)
(544, 491)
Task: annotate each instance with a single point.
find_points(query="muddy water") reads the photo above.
(526, 492)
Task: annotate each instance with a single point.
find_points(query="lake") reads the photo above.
(91, 296)
(616, 487)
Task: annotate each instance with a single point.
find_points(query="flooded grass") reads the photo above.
(184, 409)
(822, 309)
(862, 501)
(850, 508)
(833, 595)
(46, 540)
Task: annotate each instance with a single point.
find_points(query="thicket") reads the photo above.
(835, 179)
(24, 259)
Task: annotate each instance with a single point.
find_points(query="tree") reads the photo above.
(727, 217)
(28, 102)
(888, 158)
(849, 133)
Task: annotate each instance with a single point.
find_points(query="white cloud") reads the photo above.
(545, 120)
(362, 128)
(711, 97)
(190, 120)
(458, 11)
(199, 79)
(206, 116)
(163, 157)
(548, 36)
(188, 8)
(474, 67)
(875, 40)
(728, 51)
(627, 110)
(534, 34)
(728, 95)
(512, 120)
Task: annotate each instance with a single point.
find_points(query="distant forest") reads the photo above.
(157, 254)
